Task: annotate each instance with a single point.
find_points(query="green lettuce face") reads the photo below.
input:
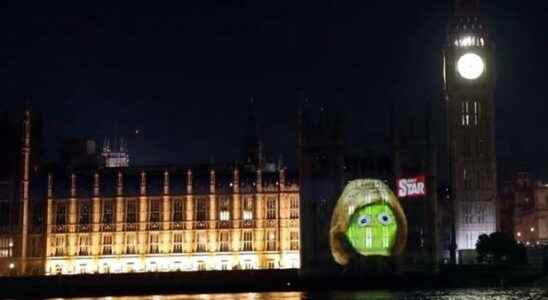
(373, 229)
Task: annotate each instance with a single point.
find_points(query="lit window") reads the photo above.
(178, 209)
(84, 242)
(106, 268)
(294, 240)
(294, 207)
(107, 216)
(154, 213)
(107, 245)
(248, 265)
(83, 268)
(224, 215)
(153, 240)
(60, 214)
(247, 244)
(201, 209)
(84, 216)
(59, 245)
(224, 241)
(271, 244)
(200, 239)
(131, 243)
(178, 242)
(248, 215)
(6, 247)
(131, 211)
(271, 208)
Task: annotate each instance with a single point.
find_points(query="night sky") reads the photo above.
(183, 75)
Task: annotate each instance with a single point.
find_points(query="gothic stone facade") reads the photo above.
(138, 220)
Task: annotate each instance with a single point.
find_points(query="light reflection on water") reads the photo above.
(456, 294)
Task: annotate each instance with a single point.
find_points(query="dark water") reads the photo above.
(456, 294)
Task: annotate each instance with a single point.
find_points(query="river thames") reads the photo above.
(451, 294)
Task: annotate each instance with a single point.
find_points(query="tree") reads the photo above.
(499, 248)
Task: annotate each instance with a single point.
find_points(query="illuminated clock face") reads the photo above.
(470, 66)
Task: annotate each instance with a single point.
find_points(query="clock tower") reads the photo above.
(469, 85)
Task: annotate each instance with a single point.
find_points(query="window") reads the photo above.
(83, 268)
(224, 265)
(224, 241)
(247, 243)
(201, 209)
(224, 208)
(294, 240)
(247, 208)
(107, 245)
(476, 112)
(271, 211)
(61, 214)
(178, 210)
(153, 240)
(84, 213)
(84, 243)
(131, 211)
(271, 264)
(36, 249)
(468, 112)
(293, 207)
(37, 214)
(248, 265)
(107, 214)
(201, 241)
(154, 212)
(178, 242)
(131, 244)
(201, 265)
(224, 215)
(6, 247)
(271, 240)
(59, 245)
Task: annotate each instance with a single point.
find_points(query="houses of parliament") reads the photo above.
(72, 219)
(94, 213)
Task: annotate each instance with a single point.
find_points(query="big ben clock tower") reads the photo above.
(469, 84)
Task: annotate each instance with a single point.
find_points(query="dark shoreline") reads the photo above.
(253, 281)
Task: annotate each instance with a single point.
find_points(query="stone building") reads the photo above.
(468, 86)
(171, 219)
(530, 211)
(67, 220)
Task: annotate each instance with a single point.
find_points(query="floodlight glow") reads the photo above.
(470, 66)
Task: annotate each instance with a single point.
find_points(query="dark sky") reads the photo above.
(184, 74)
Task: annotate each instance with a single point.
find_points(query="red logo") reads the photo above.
(411, 187)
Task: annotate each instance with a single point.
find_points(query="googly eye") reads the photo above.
(384, 218)
(364, 221)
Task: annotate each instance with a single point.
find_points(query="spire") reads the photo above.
(467, 7)
(253, 147)
(393, 127)
(428, 121)
(123, 145)
(106, 145)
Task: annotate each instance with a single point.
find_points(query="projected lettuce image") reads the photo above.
(367, 221)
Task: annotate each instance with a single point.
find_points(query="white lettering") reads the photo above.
(411, 187)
